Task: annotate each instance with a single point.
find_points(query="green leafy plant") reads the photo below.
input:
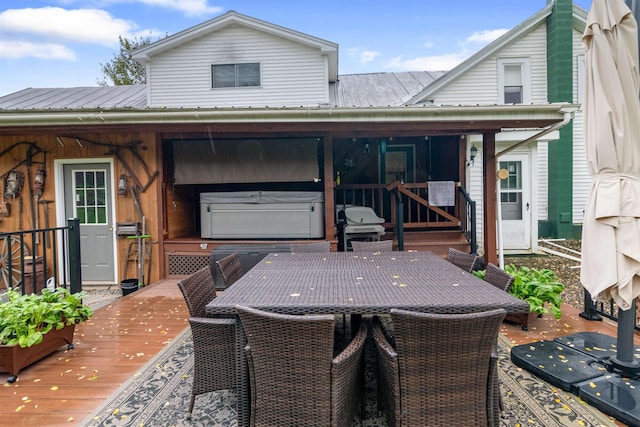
(539, 287)
(24, 319)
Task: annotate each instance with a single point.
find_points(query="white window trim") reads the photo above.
(234, 87)
(525, 64)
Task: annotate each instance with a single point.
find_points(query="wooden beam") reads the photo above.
(329, 199)
(490, 197)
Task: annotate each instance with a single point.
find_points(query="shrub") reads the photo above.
(24, 319)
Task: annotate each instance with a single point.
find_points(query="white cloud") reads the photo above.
(22, 49)
(445, 61)
(363, 57)
(426, 63)
(78, 25)
(188, 7)
(367, 56)
(484, 37)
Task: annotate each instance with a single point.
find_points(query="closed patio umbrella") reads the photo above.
(611, 228)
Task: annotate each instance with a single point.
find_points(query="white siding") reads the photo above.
(543, 180)
(474, 180)
(293, 74)
(480, 84)
(581, 176)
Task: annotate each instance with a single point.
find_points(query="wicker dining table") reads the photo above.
(353, 283)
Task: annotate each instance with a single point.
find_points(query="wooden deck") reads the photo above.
(65, 387)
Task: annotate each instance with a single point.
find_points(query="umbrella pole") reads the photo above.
(624, 360)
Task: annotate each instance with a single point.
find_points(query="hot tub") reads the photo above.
(262, 215)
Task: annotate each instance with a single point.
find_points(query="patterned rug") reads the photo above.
(158, 395)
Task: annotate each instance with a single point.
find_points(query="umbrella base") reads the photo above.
(585, 365)
(594, 344)
(629, 369)
(613, 395)
(557, 364)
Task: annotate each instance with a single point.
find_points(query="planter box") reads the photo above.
(521, 319)
(13, 357)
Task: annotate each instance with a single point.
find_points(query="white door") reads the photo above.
(88, 196)
(515, 202)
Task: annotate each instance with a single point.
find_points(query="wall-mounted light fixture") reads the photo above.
(38, 180)
(473, 152)
(365, 148)
(122, 185)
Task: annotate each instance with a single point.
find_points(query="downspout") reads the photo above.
(568, 116)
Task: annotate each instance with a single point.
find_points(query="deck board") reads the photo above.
(63, 388)
(124, 335)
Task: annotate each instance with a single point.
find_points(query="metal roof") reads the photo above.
(352, 90)
(76, 98)
(379, 89)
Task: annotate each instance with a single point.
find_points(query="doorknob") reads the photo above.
(527, 206)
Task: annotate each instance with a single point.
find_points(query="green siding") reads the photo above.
(560, 89)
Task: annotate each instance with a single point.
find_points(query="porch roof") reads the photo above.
(333, 120)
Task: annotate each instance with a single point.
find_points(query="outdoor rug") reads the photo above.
(158, 395)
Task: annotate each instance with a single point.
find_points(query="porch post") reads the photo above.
(490, 197)
(75, 264)
(329, 189)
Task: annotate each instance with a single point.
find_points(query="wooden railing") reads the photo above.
(417, 213)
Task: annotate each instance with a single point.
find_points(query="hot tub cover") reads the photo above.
(259, 197)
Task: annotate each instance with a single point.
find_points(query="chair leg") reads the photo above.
(191, 403)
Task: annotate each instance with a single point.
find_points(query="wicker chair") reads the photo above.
(375, 246)
(198, 290)
(442, 369)
(498, 277)
(213, 339)
(311, 247)
(465, 261)
(230, 269)
(295, 380)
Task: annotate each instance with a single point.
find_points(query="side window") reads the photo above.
(514, 81)
(235, 75)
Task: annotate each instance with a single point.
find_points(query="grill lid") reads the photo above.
(361, 215)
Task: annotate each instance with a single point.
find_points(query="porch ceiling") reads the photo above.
(338, 122)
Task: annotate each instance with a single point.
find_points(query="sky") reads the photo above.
(62, 43)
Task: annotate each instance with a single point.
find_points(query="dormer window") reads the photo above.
(235, 75)
(514, 81)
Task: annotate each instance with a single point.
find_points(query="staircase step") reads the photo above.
(438, 241)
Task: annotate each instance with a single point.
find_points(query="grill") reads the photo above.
(361, 223)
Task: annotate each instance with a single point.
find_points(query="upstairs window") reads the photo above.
(514, 81)
(235, 75)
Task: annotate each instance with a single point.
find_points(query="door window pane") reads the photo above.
(91, 200)
(511, 191)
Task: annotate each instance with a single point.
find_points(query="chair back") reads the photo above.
(290, 367)
(465, 261)
(498, 277)
(376, 246)
(230, 269)
(311, 247)
(444, 365)
(198, 290)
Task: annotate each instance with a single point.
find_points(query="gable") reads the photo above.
(479, 85)
(292, 74)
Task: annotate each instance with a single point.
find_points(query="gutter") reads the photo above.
(469, 114)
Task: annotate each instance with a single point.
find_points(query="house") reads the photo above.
(541, 60)
(238, 112)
